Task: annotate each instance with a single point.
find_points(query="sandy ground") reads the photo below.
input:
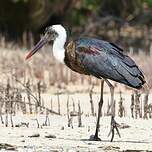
(138, 137)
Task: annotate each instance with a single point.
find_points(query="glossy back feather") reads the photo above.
(106, 60)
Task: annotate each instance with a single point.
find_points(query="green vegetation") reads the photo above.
(16, 16)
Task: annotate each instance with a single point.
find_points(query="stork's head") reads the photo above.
(51, 34)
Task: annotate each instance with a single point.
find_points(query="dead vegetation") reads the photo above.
(23, 98)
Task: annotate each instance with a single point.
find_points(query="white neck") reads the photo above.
(58, 45)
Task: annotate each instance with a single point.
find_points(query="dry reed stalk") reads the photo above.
(132, 106)
(51, 104)
(145, 103)
(7, 92)
(38, 125)
(47, 120)
(39, 95)
(24, 107)
(28, 96)
(79, 115)
(73, 105)
(121, 111)
(137, 105)
(1, 107)
(11, 109)
(68, 113)
(91, 100)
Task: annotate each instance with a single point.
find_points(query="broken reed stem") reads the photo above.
(132, 105)
(51, 104)
(79, 115)
(91, 100)
(7, 102)
(24, 106)
(68, 114)
(121, 110)
(73, 106)
(1, 106)
(28, 96)
(2, 121)
(146, 107)
(47, 120)
(38, 125)
(108, 108)
(11, 110)
(137, 105)
(6, 119)
(39, 95)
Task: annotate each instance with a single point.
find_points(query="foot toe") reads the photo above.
(94, 138)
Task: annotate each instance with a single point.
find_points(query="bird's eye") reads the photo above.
(50, 31)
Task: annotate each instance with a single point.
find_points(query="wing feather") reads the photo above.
(106, 60)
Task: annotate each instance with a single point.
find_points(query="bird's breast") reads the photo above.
(72, 60)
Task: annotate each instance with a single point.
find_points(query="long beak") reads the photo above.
(38, 46)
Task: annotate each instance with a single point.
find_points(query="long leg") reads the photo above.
(95, 137)
(113, 122)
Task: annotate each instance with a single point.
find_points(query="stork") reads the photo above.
(101, 59)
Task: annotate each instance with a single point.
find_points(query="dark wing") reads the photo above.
(106, 60)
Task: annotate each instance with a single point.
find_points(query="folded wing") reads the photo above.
(106, 60)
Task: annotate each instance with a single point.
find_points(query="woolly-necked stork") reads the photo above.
(98, 58)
